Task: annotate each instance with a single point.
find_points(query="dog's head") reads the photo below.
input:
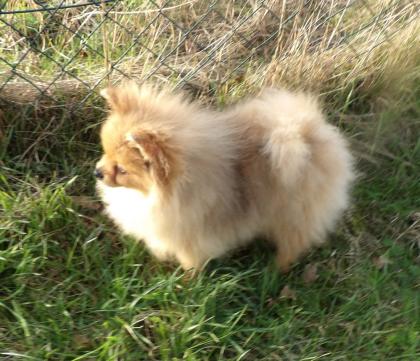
(138, 152)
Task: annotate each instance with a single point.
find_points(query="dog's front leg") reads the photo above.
(190, 260)
(158, 249)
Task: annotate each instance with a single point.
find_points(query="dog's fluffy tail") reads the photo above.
(289, 155)
(291, 120)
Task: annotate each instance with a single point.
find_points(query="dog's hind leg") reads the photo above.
(291, 244)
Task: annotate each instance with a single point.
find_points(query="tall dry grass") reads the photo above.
(222, 48)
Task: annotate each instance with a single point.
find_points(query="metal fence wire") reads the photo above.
(65, 49)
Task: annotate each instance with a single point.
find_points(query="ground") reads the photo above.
(73, 288)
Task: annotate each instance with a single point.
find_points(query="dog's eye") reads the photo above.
(121, 170)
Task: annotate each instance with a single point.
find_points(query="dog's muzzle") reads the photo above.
(98, 173)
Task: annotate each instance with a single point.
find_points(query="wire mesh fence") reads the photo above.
(62, 51)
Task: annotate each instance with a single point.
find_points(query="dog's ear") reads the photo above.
(154, 149)
(110, 95)
(123, 98)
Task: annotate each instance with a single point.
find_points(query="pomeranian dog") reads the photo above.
(194, 183)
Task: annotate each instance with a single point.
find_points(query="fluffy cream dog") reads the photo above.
(194, 184)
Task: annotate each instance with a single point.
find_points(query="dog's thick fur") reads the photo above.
(194, 184)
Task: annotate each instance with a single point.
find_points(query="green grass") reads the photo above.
(73, 288)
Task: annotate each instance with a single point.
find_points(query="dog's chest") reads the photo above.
(129, 208)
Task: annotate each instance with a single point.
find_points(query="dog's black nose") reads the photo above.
(98, 173)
